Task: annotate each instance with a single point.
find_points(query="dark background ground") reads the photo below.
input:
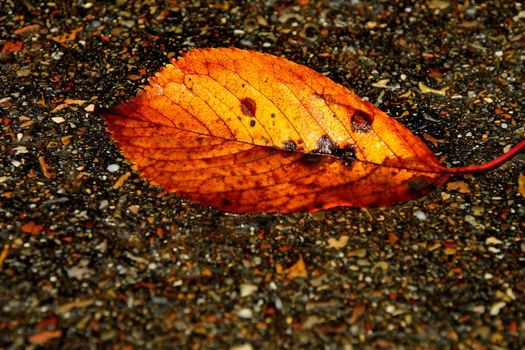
(87, 263)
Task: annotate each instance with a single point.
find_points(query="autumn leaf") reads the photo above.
(245, 131)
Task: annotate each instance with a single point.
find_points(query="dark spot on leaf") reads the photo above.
(325, 145)
(248, 107)
(252, 123)
(310, 159)
(290, 145)
(273, 115)
(347, 153)
(319, 205)
(420, 185)
(226, 201)
(361, 121)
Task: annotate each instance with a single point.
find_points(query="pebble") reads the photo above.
(496, 308)
(245, 346)
(420, 215)
(245, 313)
(247, 289)
(112, 168)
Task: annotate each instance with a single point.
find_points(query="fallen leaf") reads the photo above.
(4, 254)
(68, 102)
(12, 46)
(244, 131)
(432, 140)
(27, 29)
(120, 181)
(428, 90)
(460, 186)
(44, 336)
(297, 270)
(32, 228)
(66, 37)
(381, 83)
(45, 167)
(77, 304)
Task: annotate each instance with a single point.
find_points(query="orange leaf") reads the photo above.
(32, 228)
(244, 131)
(297, 270)
(12, 46)
(44, 336)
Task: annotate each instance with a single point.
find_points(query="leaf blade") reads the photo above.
(268, 136)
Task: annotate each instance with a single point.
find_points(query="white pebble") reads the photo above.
(113, 168)
(420, 215)
(245, 313)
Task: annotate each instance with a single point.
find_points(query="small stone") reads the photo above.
(493, 240)
(90, 107)
(420, 215)
(245, 313)
(478, 309)
(58, 120)
(471, 220)
(338, 243)
(312, 321)
(113, 168)
(438, 4)
(477, 210)
(247, 289)
(361, 253)
(383, 265)
(134, 209)
(496, 307)
(494, 250)
(24, 72)
(245, 346)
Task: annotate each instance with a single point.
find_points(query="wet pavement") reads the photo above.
(92, 256)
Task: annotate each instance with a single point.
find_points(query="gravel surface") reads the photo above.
(92, 256)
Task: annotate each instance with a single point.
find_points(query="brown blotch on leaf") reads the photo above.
(248, 107)
(325, 145)
(226, 202)
(420, 185)
(290, 145)
(347, 153)
(361, 121)
(310, 159)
